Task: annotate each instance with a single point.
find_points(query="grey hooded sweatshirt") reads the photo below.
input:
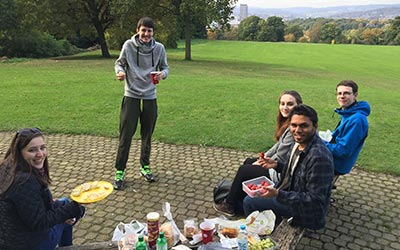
(137, 60)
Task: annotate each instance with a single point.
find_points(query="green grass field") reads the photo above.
(227, 96)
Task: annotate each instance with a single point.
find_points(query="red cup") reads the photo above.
(207, 231)
(153, 77)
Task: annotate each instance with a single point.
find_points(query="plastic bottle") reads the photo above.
(161, 242)
(140, 244)
(242, 238)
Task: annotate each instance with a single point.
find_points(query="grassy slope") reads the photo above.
(225, 97)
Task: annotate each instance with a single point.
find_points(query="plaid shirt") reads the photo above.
(310, 185)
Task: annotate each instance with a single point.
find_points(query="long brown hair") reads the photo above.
(14, 163)
(282, 123)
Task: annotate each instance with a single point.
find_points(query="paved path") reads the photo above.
(366, 216)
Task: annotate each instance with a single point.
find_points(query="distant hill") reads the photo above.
(377, 11)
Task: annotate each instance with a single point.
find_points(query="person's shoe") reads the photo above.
(225, 209)
(146, 173)
(119, 180)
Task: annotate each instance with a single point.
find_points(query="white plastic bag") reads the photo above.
(174, 230)
(325, 135)
(122, 230)
(260, 223)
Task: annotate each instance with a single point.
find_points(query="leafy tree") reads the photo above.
(81, 15)
(8, 23)
(315, 32)
(248, 28)
(371, 36)
(277, 29)
(295, 30)
(205, 12)
(392, 36)
(330, 31)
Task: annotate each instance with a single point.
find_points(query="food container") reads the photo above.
(153, 229)
(258, 182)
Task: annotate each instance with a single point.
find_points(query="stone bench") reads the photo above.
(108, 245)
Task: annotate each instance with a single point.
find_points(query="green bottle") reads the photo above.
(161, 242)
(140, 244)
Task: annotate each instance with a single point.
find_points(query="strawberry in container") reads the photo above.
(255, 187)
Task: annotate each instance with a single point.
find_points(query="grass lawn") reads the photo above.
(227, 96)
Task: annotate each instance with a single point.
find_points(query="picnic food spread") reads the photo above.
(92, 191)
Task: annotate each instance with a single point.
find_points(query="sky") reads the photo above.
(311, 3)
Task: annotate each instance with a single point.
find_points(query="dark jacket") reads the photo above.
(310, 188)
(27, 211)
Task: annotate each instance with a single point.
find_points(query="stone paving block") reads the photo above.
(363, 217)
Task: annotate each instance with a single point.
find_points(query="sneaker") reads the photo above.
(225, 209)
(146, 173)
(119, 179)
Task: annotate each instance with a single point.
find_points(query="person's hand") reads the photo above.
(270, 192)
(267, 162)
(70, 221)
(159, 75)
(120, 76)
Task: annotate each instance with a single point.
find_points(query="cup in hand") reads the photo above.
(207, 231)
(154, 77)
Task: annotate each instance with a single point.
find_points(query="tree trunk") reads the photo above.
(102, 40)
(188, 38)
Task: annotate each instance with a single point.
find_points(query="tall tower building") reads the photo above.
(243, 12)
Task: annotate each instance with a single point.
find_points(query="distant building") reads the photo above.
(243, 12)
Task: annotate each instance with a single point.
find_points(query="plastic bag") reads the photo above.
(172, 232)
(260, 223)
(122, 230)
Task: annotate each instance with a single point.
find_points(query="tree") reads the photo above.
(330, 31)
(208, 11)
(295, 30)
(248, 28)
(392, 36)
(8, 22)
(276, 29)
(77, 15)
(314, 33)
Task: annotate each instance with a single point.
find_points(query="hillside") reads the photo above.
(380, 11)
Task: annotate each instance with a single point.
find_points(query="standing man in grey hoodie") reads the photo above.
(139, 56)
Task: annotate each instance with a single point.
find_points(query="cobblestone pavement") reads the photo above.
(365, 216)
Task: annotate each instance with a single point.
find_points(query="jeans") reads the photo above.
(260, 204)
(60, 234)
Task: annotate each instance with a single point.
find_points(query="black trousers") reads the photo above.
(245, 172)
(132, 111)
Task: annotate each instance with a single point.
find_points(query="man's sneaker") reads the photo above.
(146, 173)
(225, 209)
(119, 179)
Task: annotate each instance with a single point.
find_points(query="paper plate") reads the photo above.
(92, 191)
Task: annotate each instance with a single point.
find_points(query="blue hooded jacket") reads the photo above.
(349, 136)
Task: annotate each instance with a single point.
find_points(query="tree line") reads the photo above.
(48, 28)
(313, 30)
(45, 28)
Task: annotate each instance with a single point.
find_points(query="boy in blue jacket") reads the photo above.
(349, 136)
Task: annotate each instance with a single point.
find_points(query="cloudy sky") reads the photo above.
(311, 3)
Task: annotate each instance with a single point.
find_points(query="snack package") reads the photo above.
(190, 227)
(172, 232)
(260, 223)
(228, 228)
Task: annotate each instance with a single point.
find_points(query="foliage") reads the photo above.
(295, 30)
(330, 31)
(392, 37)
(248, 28)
